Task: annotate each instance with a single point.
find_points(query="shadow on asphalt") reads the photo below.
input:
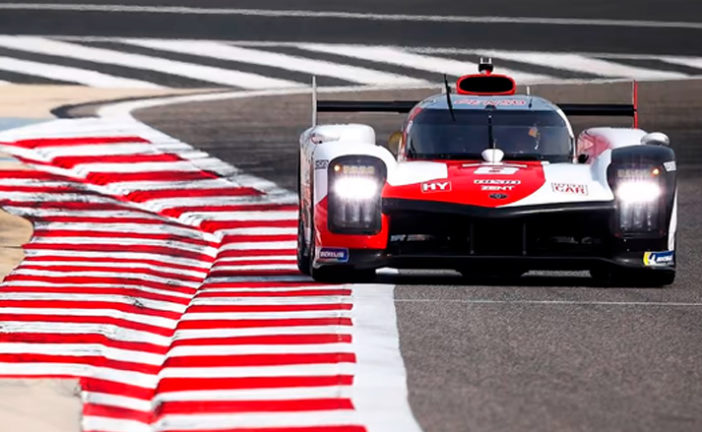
(528, 281)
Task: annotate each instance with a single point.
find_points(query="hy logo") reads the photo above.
(436, 186)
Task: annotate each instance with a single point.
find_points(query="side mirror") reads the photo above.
(655, 138)
(394, 142)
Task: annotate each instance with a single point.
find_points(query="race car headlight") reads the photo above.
(350, 188)
(638, 193)
(355, 184)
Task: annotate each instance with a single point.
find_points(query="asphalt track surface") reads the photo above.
(534, 36)
(546, 353)
(549, 352)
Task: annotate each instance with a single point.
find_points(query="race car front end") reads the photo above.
(477, 220)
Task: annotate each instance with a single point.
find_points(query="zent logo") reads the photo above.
(436, 186)
(570, 188)
(334, 255)
(496, 169)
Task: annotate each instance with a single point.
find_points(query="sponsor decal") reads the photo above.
(495, 102)
(496, 188)
(321, 164)
(496, 169)
(436, 186)
(570, 188)
(497, 182)
(333, 255)
(498, 196)
(659, 259)
(670, 166)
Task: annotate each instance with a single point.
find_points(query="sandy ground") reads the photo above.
(37, 101)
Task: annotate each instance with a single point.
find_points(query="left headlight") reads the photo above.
(355, 185)
(360, 188)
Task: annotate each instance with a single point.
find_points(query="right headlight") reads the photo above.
(355, 186)
(638, 192)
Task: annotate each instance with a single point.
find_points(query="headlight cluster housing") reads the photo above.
(354, 199)
(639, 194)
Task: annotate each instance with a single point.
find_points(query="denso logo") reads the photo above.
(497, 182)
(436, 186)
(334, 254)
(570, 188)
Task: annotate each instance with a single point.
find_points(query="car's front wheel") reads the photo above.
(303, 254)
(335, 273)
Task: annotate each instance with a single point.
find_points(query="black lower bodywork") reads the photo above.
(471, 239)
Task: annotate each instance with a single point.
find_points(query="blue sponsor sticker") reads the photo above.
(659, 259)
(334, 255)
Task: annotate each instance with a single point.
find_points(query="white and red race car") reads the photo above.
(487, 181)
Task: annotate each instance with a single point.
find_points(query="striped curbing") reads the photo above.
(168, 288)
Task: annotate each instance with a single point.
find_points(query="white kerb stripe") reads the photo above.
(156, 321)
(133, 167)
(579, 63)
(283, 61)
(83, 349)
(197, 350)
(258, 371)
(283, 393)
(118, 401)
(121, 299)
(70, 74)
(416, 61)
(114, 424)
(695, 62)
(245, 421)
(147, 62)
(262, 331)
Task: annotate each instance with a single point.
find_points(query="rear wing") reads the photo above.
(405, 106)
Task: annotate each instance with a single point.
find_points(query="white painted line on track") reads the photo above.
(553, 302)
(579, 63)
(417, 61)
(380, 383)
(122, 8)
(211, 74)
(695, 62)
(282, 61)
(71, 74)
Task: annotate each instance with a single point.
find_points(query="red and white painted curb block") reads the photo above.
(165, 281)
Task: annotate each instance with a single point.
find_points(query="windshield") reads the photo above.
(526, 135)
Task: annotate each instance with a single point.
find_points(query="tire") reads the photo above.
(335, 273)
(303, 252)
(303, 256)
